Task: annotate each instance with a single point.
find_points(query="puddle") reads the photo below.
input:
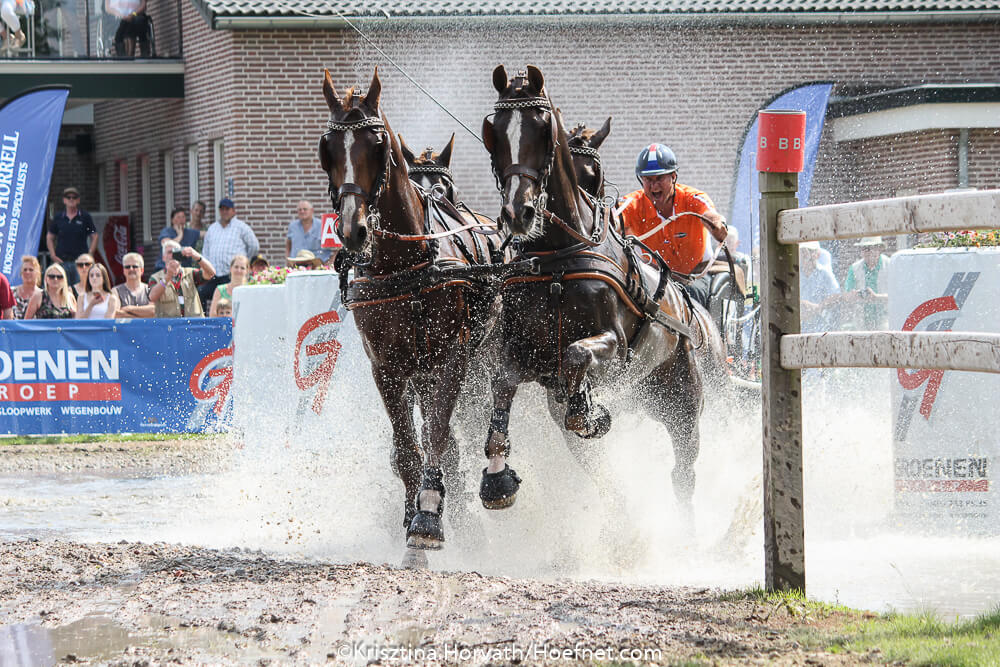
(97, 637)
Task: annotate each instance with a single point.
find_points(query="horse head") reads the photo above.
(583, 144)
(430, 170)
(356, 155)
(522, 140)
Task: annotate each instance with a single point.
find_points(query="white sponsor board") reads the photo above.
(946, 425)
(299, 366)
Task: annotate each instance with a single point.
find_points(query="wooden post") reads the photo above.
(784, 535)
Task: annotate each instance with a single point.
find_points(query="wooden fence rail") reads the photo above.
(785, 350)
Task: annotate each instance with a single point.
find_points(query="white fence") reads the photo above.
(786, 350)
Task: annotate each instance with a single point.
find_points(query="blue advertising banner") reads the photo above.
(745, 204)
(29, 132)
(115, 376)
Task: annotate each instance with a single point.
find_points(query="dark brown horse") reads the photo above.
(592, 313)
(584, 144)
(432, 170)
(420, 312)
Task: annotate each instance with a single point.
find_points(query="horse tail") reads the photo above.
(711, 353)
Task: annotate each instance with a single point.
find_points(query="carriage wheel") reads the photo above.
(725, 311)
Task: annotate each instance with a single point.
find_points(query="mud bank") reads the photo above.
(164, 457)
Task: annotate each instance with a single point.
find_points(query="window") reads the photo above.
(218, 172)
(193, 173)
(147, 197)
(123, 185)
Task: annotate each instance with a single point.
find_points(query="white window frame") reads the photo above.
(193, 173)
(123, 185)
(146, 204)
(168, 182)
(218, 169)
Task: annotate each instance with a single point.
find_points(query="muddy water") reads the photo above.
(328, 495)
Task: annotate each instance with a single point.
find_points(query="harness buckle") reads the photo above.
(534, 266)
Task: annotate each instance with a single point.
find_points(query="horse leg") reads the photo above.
(397, 396)
(583, 418)
(677, 405)
(438, 397)
(498, 488)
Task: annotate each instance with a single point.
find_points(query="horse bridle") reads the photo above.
(516, 169)
(370, 198)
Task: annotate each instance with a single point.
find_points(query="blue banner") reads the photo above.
(745, 203)
(115, 376)
(29, 133)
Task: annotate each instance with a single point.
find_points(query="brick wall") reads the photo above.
(261, 91)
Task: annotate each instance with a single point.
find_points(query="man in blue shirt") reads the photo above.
(71, 233)
(304, 234)
(816, 285)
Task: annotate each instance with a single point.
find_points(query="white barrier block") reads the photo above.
(902, 215)
(261, 359)
(945, 423)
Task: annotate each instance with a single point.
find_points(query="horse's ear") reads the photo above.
(488, 135)
(601, 134)
(329, 92)
(535, 78)
(374, 92)
(407, 153)
(500, 79)
(444, 158)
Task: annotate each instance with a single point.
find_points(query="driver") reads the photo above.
(683, 243)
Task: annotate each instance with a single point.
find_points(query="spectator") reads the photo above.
(31, 282)
(82, 264)
(97, 301)
(198, 217)
(304, 234)
(133, 294)
(7, 301)
(817, 285)
(132, 28)
(305, 259)
(9, 9)
(173, 290)
(71, 233)
(258, 263)
(226, 237)
(238, 270)
(55, 301)
(178, 231)
(865, 286)
(224, 308)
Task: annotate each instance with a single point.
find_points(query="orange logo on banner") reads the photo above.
(219, 392)
(328, 236)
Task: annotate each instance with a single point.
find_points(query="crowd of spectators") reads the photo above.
(186, 279)
(863, 301)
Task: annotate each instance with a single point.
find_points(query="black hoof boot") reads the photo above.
(498, 490)
(425, 531)
(598, 422)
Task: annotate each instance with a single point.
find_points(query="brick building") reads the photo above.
(690, 73)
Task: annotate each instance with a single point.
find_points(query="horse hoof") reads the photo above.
(498, 490)
(425, 531)
(594, 424)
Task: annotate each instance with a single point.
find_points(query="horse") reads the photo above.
(420, 308)
(591, 312)
(430, 170)
(583, 144)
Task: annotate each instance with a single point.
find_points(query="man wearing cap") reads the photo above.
(865, 285)
(684, 242)
(71, 233)
(227, 237)
(304, 234)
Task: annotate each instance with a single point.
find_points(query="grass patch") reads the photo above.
(109, 437)
(922, 640)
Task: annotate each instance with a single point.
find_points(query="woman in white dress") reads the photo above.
(98, 302)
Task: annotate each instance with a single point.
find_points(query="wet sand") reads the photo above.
(134, 603)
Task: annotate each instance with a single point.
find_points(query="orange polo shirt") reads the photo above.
(683, 243)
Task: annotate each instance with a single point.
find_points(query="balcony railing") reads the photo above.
(92, 29)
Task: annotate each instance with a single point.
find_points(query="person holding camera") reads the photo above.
(173, 290)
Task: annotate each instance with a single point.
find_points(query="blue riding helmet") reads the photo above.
(654, 160)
